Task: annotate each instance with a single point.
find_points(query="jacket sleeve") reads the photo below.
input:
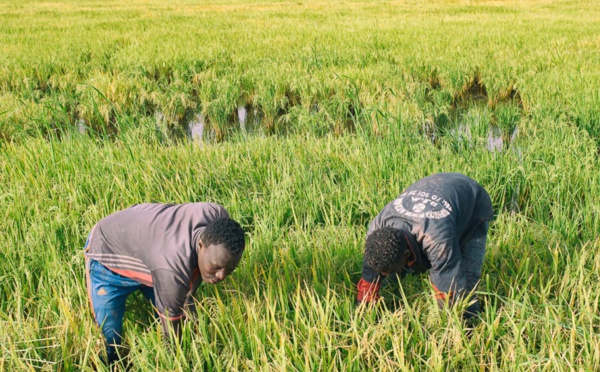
(446, 274)
(170, 293)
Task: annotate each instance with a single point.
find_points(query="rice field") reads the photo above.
(303, 119)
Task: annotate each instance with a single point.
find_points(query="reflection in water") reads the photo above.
(256, 118)
(80, 125)
(249, 119)
(514, 135)
(196, 128)
(428, 129)
(160, 117)
(242, 113)
(513, 205)
(494, 140)
(462, 132)
(514, 147)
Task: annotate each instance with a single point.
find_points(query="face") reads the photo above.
(216, 263)
(398, 266)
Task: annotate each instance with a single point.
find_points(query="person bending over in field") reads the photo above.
(165, 251)
(439, 224)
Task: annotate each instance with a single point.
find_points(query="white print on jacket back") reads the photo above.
(421, 204)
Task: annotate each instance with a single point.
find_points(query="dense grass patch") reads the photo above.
(305, 203)
(306, 66)
(353, 101)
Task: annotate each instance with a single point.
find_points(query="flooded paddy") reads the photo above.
(470, 118)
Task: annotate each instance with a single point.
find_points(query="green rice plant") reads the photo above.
(219, 99)
(160, 64)
(350, 90)
(305, 202)
(270, 96)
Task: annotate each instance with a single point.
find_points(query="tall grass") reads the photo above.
(357, 100)
(108, 62)
(305, 202)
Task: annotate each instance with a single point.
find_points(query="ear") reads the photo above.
(407, 253)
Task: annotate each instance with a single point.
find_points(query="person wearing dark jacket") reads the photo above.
(439, 224)
(163, 250)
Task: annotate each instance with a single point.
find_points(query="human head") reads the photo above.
(220, 249)
(386, 250)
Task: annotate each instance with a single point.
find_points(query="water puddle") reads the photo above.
(242, 116)
(494, 140)
(160, 117)
(470, 125)
(80, 126)
(249, 119)
(513, 205)
(514, 135)
(461, 133)
(198, 129)
(429, 131)
(470, 118)
(195, 128)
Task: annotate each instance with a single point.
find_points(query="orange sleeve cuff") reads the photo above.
(172, 319)
(439, 295)
(368, 292)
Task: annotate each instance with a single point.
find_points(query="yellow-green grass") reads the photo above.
(116, 64)
(355, 92)
(305, 202)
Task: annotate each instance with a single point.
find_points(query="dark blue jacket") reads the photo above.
(439, 212)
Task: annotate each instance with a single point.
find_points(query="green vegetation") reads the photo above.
(357, 100)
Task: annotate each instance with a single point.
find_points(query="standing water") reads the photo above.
(80, 125)
(494, 140)
(242, 114)
(196, 128)
(249, 119)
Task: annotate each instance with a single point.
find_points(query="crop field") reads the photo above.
(303, 118)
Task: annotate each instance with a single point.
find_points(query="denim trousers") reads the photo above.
(108, 292)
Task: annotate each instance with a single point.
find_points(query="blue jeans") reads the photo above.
(108, 292)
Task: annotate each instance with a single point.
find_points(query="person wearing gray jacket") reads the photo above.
(439, 224)
(163, 250)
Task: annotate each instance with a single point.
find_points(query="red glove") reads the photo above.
(367, 292)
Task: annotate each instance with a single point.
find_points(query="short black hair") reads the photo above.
(227, 232)
(384, 248)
